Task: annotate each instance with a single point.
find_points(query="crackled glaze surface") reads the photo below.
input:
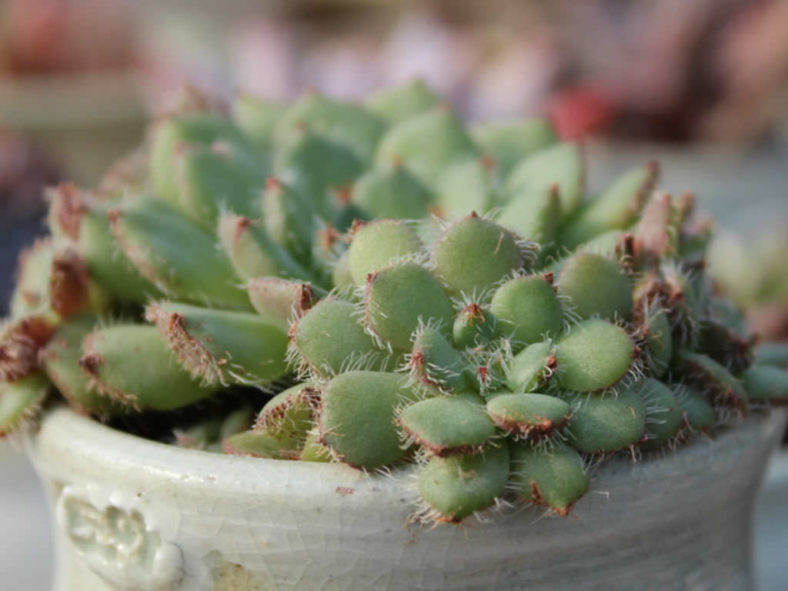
(133, 514)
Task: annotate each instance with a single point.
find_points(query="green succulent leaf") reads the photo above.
(447, 425)
(561, 165)
(553, 476)
(357, 417)
(475, 253)
(400, 296)
(21, 401)
(593, 355)
(596, 287)
(426, 144)
(455, 487)
(378, 244)
(329, 338)
(608, 423)
(765, 383)
(528, 415)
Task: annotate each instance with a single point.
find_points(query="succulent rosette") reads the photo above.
(397, 290)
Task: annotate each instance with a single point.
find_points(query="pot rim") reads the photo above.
(64, 433)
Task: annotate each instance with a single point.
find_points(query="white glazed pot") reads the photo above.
(135, 514)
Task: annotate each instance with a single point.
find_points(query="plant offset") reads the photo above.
(409, 289)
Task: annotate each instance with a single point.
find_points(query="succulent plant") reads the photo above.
(397, 296)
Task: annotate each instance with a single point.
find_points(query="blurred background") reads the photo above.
(700, 85)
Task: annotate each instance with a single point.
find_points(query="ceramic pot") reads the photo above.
(135, 514)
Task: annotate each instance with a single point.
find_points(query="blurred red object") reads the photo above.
(680, 70)
(54, 36)
(579, 111)
(769, 322)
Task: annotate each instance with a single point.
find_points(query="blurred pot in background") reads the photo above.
(347, 48)
(674, 71)
(68, 80)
